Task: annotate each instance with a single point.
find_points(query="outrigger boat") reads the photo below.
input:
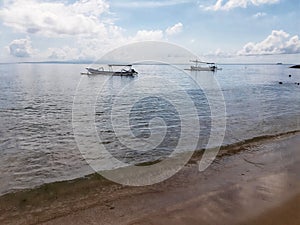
(127, 70)
(199, 66)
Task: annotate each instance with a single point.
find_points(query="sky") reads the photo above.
(221, 30)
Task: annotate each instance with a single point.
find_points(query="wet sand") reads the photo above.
(286, 213)
(251, 183)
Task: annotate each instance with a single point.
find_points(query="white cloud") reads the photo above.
(21, 48)
(148, 4)
(219, 53)
(278, 42)
(231, 4)
(94, 48)
(148, 35)
(177, 28)
(259, 15)
(55, 18)
(90, 7)
(62, 53)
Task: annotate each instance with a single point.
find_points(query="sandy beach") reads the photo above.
(251, 183)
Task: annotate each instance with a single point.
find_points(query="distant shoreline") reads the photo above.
(92, 62)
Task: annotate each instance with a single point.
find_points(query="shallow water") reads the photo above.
(37, 143)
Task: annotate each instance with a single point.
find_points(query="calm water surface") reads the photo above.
(37, 144)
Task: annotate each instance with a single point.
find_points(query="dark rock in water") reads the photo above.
(295, 67)
(280, 83)
(290, 75)
(298, 83)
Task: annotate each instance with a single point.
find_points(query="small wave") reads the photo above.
(240, 146)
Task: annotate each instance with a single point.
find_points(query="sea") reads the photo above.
(136, 119)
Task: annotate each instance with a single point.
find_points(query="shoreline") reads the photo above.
(225, 150)
(62, 200)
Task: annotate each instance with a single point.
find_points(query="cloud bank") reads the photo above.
(149, 4)
(87, 24)
(278, 42)
(231, 4)
(55, 18)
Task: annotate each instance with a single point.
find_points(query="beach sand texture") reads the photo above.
(253, 183)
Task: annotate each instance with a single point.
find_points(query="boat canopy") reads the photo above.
(198, 61)
(120, 65)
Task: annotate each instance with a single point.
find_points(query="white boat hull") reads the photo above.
(199, 68)
(92, 71)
